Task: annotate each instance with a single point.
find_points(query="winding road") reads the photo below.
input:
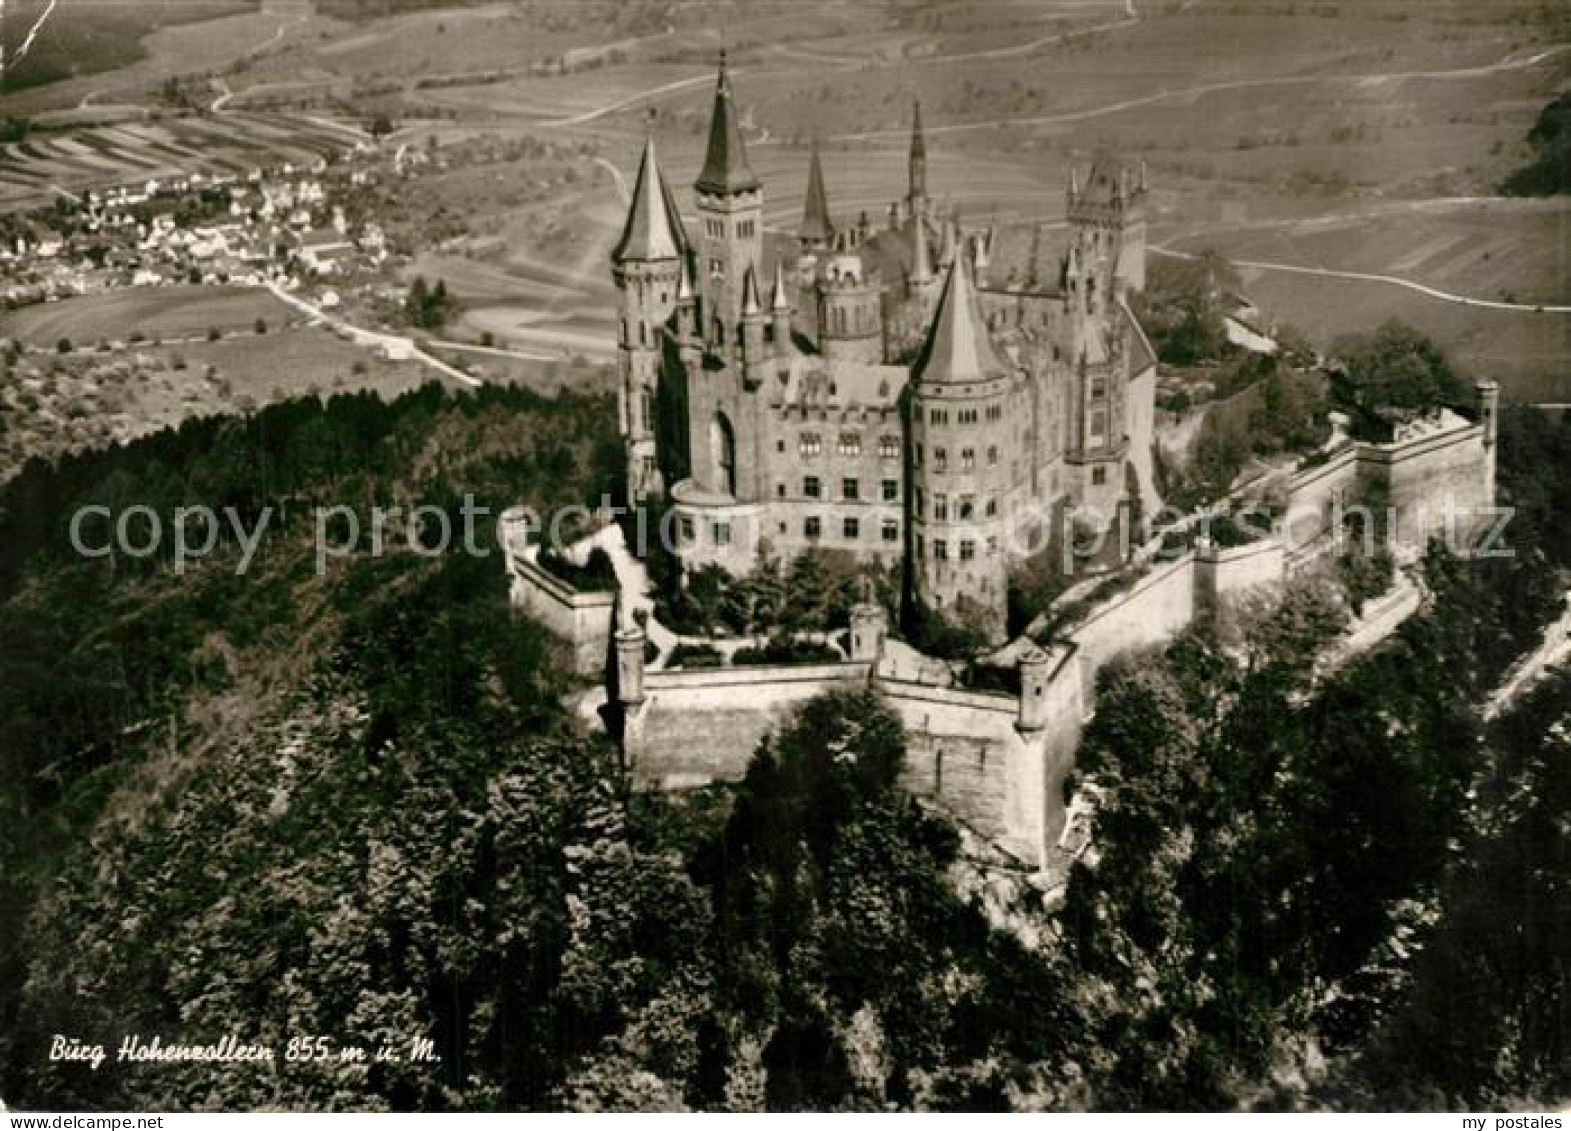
(1390, 280)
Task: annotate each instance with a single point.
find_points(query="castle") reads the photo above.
(877, 391)
(904, 405)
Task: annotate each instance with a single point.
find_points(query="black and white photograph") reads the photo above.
(732, 556)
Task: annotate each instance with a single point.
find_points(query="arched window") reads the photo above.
(723, 442)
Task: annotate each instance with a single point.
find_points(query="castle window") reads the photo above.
(940, 550)
(716, 268)
(992, 455)
(992, 546)
(1099, 387)
(967, 550)
(813, 527)
(938, 416)
(810, 487)
(916, 500)
(991, 510)
(809, 444)
(966, 507)
(967, 416)
(646, 409)
(940, 459)
(1098, 424)
(780, 445)
(891, 490)
(889, 447)
(850, 444)
(941, 508)
(722, 533)
(891, 530)
(852, 529)
(967, 458)
(916, 455)
(1098, 476)
(643, 334)
(919, 546)
(688, 533)
(724, 441)
(850, 489)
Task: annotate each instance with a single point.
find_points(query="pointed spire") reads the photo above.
(725, 169)
(921, 260)
(816, 226)
(654, 226)
(916, 171)
(778, 301)
(957, 348)
(750, 304)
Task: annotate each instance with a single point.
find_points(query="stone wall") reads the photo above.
(1159, 606)
(964, 751)
(581, 619)
(1430, 479)
(1221, 575)
(704, 725)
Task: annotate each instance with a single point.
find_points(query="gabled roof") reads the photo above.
(725, 168)
(815, 213)
(654, 226)
(958, 349)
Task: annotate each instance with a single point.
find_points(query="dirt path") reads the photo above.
(1554, 648)
(1390, 280)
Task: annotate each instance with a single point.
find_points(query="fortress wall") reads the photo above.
(1159, 607)
(1430, 479)
(963, 751)
(1068, 703)
(1222, 574)
(704, 725)
(582, 619)
(1313, 495)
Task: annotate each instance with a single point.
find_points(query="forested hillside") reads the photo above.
(284, 806)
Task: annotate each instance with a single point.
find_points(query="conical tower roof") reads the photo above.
(815, 213)
(654, 226)
(750, 303)
(725, 168)
(780, 301)
(957, 348)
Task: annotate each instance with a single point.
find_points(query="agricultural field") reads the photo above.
(152, 312)
(139, 149)
(52, 403)
(1363, 137)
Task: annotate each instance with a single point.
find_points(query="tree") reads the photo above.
(1549, 173)
(1391, 374)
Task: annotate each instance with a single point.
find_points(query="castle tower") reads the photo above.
(817, 231)
(648, 266)
(1488, 393)
(850, 311)
(1107, 218)
(730, 210)
(756, 353)
(916, 166)
(1034, 671)
(958, 465)
(1106, 263)
(780, 314)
